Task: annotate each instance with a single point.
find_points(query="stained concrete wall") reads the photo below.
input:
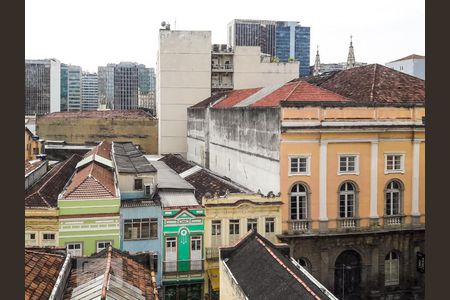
(229, 289)
(72, 130)
(240, 143)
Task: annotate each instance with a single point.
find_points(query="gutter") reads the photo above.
(58, 289)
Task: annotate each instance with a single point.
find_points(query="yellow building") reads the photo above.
(33, 146)
(228, 219)
(41, 212)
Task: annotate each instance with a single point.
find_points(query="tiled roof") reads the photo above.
(204, 181)
(44, 193)
(373, 83)
(33, 165)
(131, 160)
(111, 262)
(176, 162)
(211, 99)
(412, 56)
(103, 149)
(101, 114)
(265, 271)
(41, 272)
(93, 181)
(234, 97)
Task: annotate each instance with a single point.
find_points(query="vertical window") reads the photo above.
(103, 245)
(30, 236)
(299, 165)
(48, 236)
(391, 269)
(234, 226)
(75, 249)
(252, 224)
(393, 198)
(138, 184)
(347, 199)
(394, 163)
(298, 202)
(196, 243)
(270, 225)
(348, 164)
(216, 226)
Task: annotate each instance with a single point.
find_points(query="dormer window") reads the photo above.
(138, 184)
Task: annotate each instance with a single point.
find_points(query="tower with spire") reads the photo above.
(351, 63)
(316, 70)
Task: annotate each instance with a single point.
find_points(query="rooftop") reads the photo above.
(41, 273)
(103, 150)
(32, 165)
(44, 193)
(130, 160)
(101, 114)
(265, 271)
(177, 199)
(169, 179)
(372, 84)
(110, 273)
(412, 56)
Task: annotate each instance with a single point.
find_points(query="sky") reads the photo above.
(92, 33)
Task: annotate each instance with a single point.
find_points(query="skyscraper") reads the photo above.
(126, 85)
(74, 88)
(89, 91)
(64, 86)
(106, 85)
(285, 40)
(42, 86)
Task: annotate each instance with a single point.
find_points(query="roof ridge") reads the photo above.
(373, 83)
(46, 253)
(106, 274)
(287, 268)
(292, 91)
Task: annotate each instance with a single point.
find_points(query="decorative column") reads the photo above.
(374, 183)
(323, 217)
(415, 213)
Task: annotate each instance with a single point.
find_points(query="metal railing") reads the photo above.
(224, 67)
(221, 85)
(182, 266)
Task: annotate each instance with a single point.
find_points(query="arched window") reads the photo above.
(299, 202)
(393, 197)
(347, 200)
(304, 263)
(391, 269)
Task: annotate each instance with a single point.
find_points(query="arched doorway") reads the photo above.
(347, 275)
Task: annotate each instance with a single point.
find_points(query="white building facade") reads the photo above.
(413, 65)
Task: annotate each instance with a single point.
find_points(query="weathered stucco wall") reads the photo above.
(229, 289)
(140, 131)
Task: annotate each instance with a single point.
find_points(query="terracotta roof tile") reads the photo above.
(234, 97)
(103, 149)
(30, 166)
(41, 271)
(44, 193)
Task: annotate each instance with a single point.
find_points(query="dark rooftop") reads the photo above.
(264, 271)
(44, 193)
(372, 83)
(32, 165)
(176, 162)
(130, 160)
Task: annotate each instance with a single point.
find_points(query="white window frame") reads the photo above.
(235, 225)
(355, 172)
(402, 163)
(74, 243)
(44, 233)
(272, 221)
(98, 242)
(253, 221)
(308, 165)
(216, 224)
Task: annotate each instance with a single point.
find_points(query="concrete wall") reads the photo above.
(126, 184)
(243, 145)
(139, 131)
(55, 85)
(36, 174)
(414, 67)
(250, 72)
(229, 289)
(183, 79)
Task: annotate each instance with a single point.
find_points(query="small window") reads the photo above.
(391, 269)
(348, 164)
(234, 226)
(394, 163)
(216, 227)
(299, 165)
(48, 236)
(304, 263)
(270, 225)
(252, 224)
(30, 236)
(148, 189)
(138, 184)
(75, 249)
(103, 245)
(35, 151)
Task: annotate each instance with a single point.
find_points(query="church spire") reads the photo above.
(317, 63)
(351, 56)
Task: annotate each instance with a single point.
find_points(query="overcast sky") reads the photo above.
(92, 33)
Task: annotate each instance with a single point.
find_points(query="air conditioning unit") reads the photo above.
(149, 189)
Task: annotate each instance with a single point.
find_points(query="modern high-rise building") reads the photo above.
(42, 86)
(64, 86)
(74, 88)
(126, 85)
(106, 85)
(89, 91)
(284, 40)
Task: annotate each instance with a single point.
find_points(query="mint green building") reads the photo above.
(89, 218)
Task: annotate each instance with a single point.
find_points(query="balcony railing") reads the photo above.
(299, 225)
(212, 253)
(393, 220)
(221, 85)
(183, 266)
(348, 223)
(225, 67)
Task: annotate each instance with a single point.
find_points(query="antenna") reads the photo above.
(175, 25)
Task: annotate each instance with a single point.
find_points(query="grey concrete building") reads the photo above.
(73, 88)
(126, 86)
(42, 86)
(106, 85)
(89, 91)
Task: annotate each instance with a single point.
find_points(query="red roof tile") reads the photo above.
(30, 166)
(234, 97)
(103, 149)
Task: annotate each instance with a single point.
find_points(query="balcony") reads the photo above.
(222, 68)
(212, 253)
(348, 223)
(299, 225)
(391, 221)
(221, 85)
(182, 266)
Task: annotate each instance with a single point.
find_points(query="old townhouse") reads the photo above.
(182, 235)
(140, 209)
(89, 205)
(34, 146)
(41, 199)
(346, 151)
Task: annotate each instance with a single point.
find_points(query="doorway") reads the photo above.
(347, 275)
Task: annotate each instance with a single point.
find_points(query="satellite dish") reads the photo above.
(163, 24)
